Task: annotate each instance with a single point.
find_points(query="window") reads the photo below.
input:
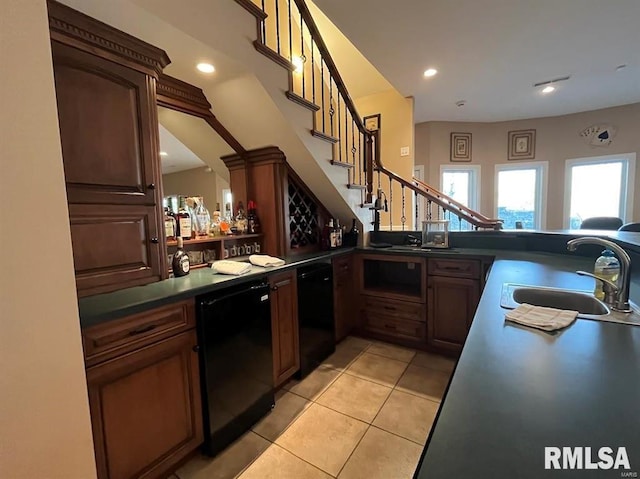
(599, 186)
(520, 194)
(462, 184)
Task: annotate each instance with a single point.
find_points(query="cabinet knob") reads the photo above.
(151, 186)
(154, 240)
(274, 288)
(196, 348)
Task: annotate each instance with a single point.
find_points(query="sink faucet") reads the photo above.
(619, 300)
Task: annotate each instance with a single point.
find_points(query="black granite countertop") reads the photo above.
(516, 390)
(105, 307)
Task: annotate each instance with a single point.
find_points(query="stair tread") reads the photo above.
(324, 136)
(341, 164)
(354, 186)
(294, 97)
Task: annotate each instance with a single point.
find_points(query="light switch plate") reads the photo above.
(404, 151)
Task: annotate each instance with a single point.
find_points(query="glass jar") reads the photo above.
(202, 218)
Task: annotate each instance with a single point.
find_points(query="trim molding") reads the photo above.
(78, 30)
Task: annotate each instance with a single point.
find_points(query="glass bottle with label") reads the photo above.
(241, 219)
(202, 217)
(252, 219)
(180, 262)
(169, 224)
(183, 219)
(333, 237)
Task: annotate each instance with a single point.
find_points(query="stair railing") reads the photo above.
(288, 34)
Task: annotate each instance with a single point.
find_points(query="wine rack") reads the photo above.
(304, 227)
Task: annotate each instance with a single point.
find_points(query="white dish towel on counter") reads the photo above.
(547, 319)
(236, 268)
(265, 260)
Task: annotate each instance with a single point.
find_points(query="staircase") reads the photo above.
(287, 33)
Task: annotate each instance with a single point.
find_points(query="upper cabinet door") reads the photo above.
(106, 112)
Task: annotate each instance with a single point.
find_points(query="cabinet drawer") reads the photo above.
(399, 328)
(462, 268)
(117, 337)
(395, 309)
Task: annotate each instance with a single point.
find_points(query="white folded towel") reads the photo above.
(236, 268)
(547, 319)
(265, 260)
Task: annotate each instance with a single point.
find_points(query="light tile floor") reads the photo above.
(365, 413)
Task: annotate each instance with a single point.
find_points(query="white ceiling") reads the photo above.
(491, 52)
(178, 157)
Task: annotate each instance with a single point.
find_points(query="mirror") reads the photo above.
(190, 157)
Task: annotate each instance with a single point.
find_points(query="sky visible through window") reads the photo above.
(517, 197)
(595, 191)
(456, 185)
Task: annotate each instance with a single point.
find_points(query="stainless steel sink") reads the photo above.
(584, 302)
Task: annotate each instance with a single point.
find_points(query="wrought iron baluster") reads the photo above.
(403, 218)
(290, 20)
(390, 205)
(459, 223)
(277, 26)
(429, 202)
(331, 110)
(346, 135)
(313, 73)
(415, 201)
(359, 157)
(303, 59)
(322, 93)
(339, 130)
(264, 26)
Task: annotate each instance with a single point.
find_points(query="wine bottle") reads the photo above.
(252, 218)
(241, 219)
(184, 220)
(180, 262)
(332, 236)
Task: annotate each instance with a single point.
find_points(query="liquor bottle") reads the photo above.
(338, 233)
(252, 218)
(203, 218)
(169, 224)
(184, 220)
(332, 235)
(351, 238)
(242, 223)
(180, 262)
(215, 221)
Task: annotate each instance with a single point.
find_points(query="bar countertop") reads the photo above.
(517, 390)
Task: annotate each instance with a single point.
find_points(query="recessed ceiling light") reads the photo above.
(430, 72)
(164, 153)
(620, 67)
(205, 67)
(461, 103)
(548, 89)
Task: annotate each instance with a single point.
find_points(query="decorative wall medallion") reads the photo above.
(372, 122)
(522, 145)
(460, 146)
(599, 135)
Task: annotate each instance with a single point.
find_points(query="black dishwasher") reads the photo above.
(236, 361)
(315, 315)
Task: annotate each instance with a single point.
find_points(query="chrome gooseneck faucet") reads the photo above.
(621, 289)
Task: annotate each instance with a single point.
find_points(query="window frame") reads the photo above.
(626, 187)
(474, 182)
(542, 178)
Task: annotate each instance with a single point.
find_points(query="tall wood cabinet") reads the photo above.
(105, 88)
(144, 391)
(284, 326)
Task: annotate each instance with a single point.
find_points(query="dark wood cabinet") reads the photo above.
(144, 392)
(392, 298)
(453, 296)
(284, 326)
(106, 96)
(344, 305)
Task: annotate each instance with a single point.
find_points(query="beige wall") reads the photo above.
(196, 182)
(557, 139)
(396, 131)
(44, 414)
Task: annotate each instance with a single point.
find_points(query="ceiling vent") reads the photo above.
(555, 80)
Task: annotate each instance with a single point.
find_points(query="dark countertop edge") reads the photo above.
(106, 307)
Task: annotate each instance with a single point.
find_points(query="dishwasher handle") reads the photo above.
(211, 302)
